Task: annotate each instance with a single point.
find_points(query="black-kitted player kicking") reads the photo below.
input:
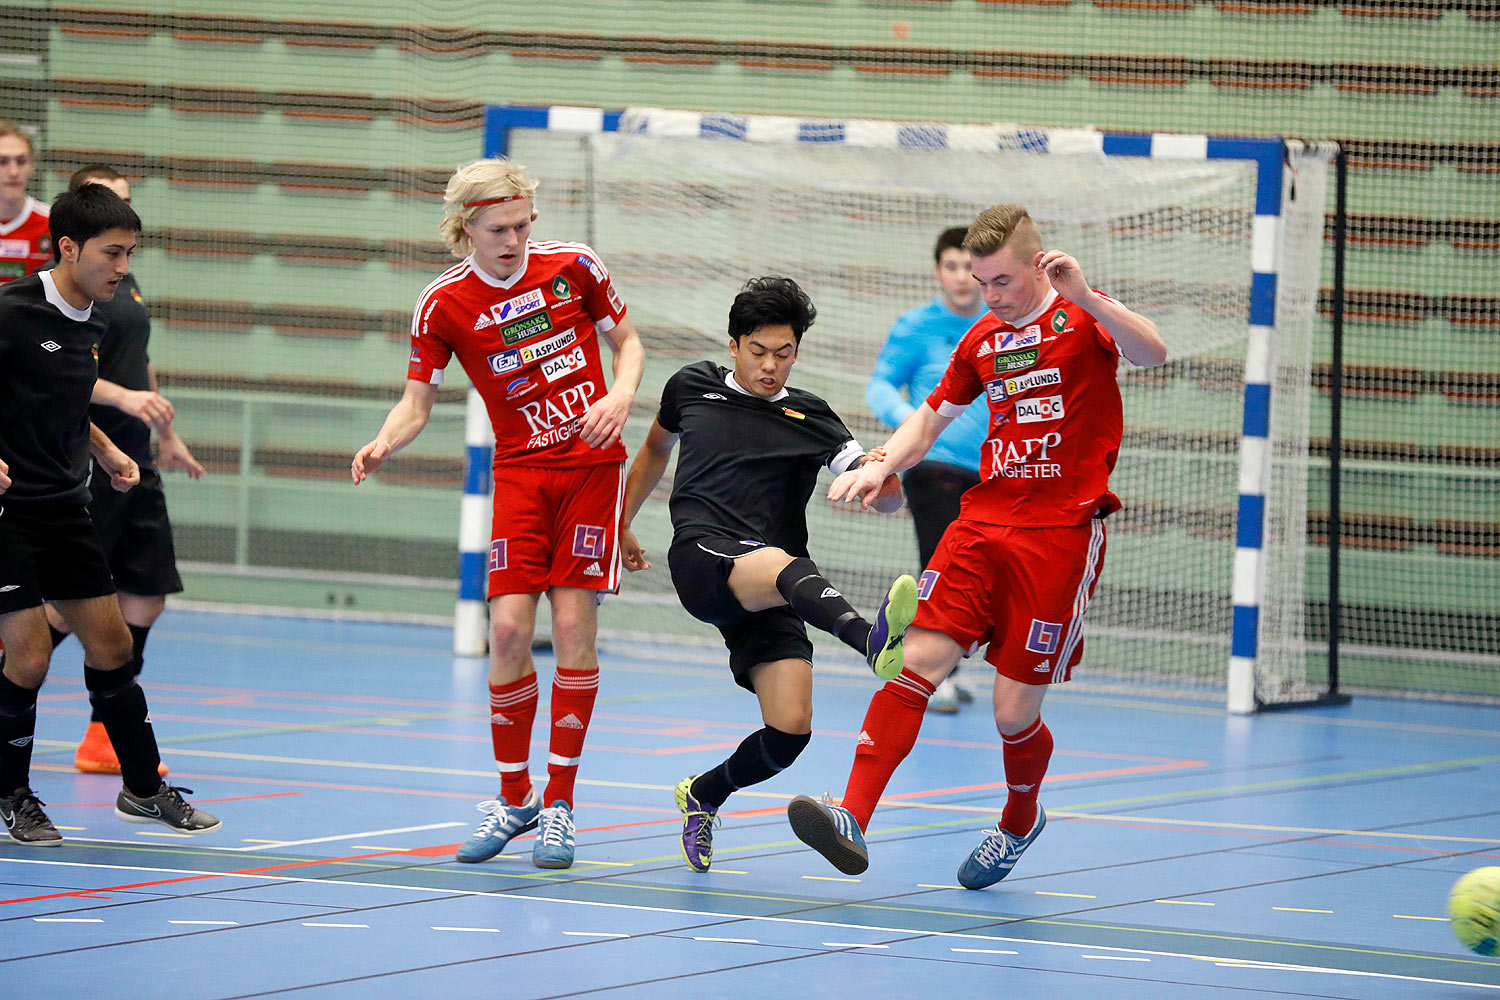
(751, 450)
(48, 549)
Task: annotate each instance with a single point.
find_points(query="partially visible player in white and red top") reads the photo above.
(1017, 569)
(525, 318)
(25, 242)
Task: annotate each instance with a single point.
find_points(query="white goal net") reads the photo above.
(682, 221)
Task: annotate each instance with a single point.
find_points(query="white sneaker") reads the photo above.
(944, 700)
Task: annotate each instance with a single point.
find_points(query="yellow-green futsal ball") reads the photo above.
(1474, 907)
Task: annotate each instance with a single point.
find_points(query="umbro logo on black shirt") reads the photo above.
(713, 395)
(51, 345)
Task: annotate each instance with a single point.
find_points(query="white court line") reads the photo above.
(68, 920)
(595, 934)
(343, 836)
(1116, 958)
(476, 930)
(795, 921)
(728, 940)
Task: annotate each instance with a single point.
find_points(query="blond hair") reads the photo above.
(8, 127)
(1000, 226)
(481, 181)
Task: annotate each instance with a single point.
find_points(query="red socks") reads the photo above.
(889, 732)
(573, 694)
(512, 711)
(1027, 754)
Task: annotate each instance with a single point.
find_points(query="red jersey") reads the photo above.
(25, 243)
(530, 345)
(1055, 415)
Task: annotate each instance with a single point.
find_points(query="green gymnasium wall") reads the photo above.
(288, 161)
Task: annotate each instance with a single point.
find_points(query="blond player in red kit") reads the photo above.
(1017, 569)
(525, 317)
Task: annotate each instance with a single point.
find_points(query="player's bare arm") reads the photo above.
(646, 470)
(124, 474)
(173, 451)
(905, 448)
(402, 425)
(4, 476)
(1135, 335)
(602, 423)
(145, 405)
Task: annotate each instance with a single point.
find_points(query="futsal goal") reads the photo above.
(1217, 240)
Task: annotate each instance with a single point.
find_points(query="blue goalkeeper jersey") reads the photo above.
(914, 358)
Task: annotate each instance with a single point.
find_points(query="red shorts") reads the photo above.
(556, 528)
(1022, 590)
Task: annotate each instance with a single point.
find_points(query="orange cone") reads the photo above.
(96, 755)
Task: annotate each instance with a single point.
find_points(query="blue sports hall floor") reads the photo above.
(1188, 853)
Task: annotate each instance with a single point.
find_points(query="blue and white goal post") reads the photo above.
(1267, 160)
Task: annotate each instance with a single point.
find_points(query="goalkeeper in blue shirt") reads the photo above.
(914, 358)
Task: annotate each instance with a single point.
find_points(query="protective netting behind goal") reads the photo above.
(683, 222)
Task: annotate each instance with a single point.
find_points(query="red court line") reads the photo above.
(85, 893)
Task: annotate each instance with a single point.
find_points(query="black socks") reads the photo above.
(764, 754)
(820, 604)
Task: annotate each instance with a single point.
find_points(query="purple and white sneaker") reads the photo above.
(698, 822)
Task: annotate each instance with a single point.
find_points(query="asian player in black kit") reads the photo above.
(750, 452)
(48, 549)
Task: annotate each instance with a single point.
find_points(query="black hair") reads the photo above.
(85, 213)
(949, 239)
(770, 301)
(93, 172)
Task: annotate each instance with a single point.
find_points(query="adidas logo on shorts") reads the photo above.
(864, 740)
(593, 570)
(1045, 667)
(569, 721)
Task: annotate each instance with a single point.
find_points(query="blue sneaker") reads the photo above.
(554, 839)
(831, 831)
(883, 649)
(697, 826)
(997, 854)
(497, 828)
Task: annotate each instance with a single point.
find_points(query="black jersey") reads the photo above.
(746, 465)
(48, 367)
(123, 360)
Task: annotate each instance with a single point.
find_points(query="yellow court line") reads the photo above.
(1298, 909)
(924, 885)
(1070, 895)
(1216, 825)
(1183, 902)
(830, 878)
(1407, 916)
(728, 871)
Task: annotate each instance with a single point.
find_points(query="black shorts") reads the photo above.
(135, 534)
(49, 553)
(700, 568)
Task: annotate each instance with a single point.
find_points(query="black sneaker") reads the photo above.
(167, 808)
(25, 820)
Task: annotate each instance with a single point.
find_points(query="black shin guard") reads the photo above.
(121, 706)
(762, 755)
(17, 733)
(820, 604)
